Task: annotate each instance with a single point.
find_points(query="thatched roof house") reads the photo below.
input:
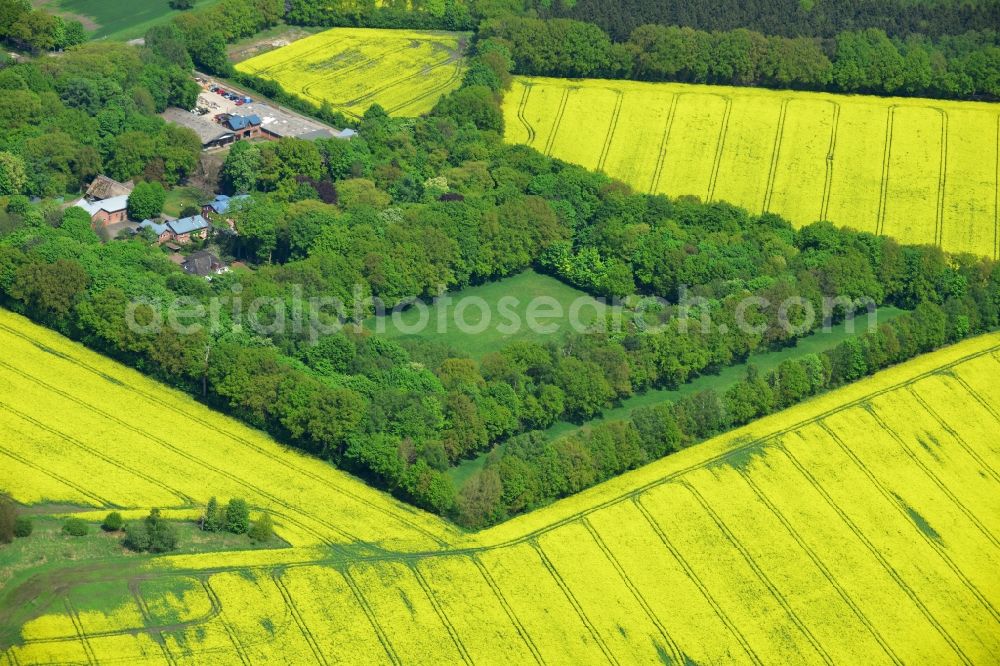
(107, 188)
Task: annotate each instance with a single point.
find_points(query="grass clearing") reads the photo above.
(501, 309)
(117, 19)
(405, 71)
(180, 198)
(924, 171)
(48, 546)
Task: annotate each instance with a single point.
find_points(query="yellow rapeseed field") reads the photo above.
(859, 527)
(404, 71)
(923, 171)
(96, 433)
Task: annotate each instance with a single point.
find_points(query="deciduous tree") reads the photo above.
(237, 516)
(146, 200)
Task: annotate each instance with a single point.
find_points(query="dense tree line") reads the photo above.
(419, 14)
(92, 111)
(790, 18)
(967, 65)
(276, 93)
(413, 205)
(206, 32)
(859, 57)
(532, 470)
(37, 30)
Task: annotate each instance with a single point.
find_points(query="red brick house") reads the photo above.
(181, 231)
(106, 211)
(244, 127)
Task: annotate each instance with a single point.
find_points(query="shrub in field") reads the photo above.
(75, 527)
(262, 529)
(153, 534)
(23, 527)
(162, 535)
(136, 537)
(237, 516)
(213, 520)
(113, 522)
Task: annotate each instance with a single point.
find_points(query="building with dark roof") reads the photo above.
(211, 134)
(103, 187)
(204, 264)
(244, 127)
(242, 122)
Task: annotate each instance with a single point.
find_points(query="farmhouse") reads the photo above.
(162, 231)
(106, 211)
(182, 231)
(103, 187)
(190, 228)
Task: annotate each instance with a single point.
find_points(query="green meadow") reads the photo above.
(481, 319)
(116, 19)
